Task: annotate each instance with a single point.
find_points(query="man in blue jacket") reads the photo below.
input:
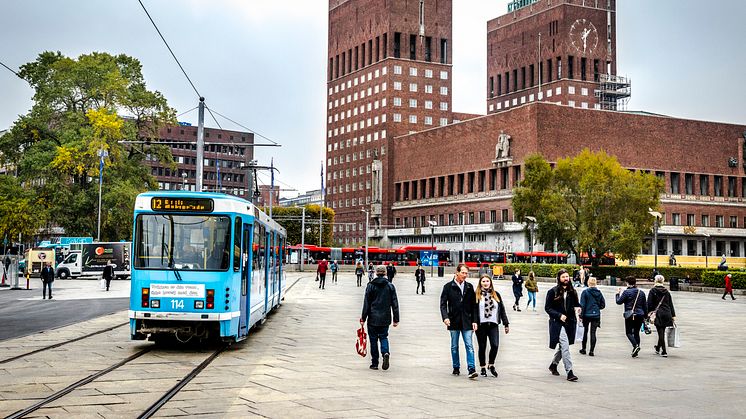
(379, 303)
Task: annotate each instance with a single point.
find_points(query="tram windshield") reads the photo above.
(195, 242)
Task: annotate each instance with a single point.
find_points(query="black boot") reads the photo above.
(553, 369)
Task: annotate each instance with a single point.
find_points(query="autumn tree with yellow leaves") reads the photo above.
(81, 106)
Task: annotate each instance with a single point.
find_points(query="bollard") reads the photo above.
(27, 281)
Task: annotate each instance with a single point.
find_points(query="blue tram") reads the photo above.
(204, 266)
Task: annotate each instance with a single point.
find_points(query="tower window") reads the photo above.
(397, 45)
(444, 51)
(412, 47)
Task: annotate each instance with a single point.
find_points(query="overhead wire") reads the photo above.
(13, 71)
(169, 48)
(247, 128)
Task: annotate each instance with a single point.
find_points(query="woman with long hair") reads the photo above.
(563, 307)
(491, 314)
(531, 288)
(359, 271)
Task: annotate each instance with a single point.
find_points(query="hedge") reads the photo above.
(717, 279)
(641, 272)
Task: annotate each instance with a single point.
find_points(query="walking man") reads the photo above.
(563, 308)
(321, 273)
(391, 271)
(378, 305)
(108, 273)
(635, 311)
(459, 311)
(47, 277)
(419, 276)
(334, 267)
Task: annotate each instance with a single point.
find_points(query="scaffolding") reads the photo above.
(613, 92)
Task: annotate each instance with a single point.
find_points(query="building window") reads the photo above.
(675, 177)
(443, 51)
(412, 119)
(732, 186)
(704, 184)
(718, 186)
(412, 87)
(733, 221)
(428, 120)
(413, 71)
(428, 88)
(705, 220)
(444, 90)
(412, 47)
(443, 121)
(444, 75)
(719, 221)
(397, 117)
(397, 45)
(689, 183)
(690, 219)
(397, 85)
(428, 104)
(443, 106)
(676, 219)
(397, 101)
(504, 216)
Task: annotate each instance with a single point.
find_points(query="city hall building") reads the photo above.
(552, 89)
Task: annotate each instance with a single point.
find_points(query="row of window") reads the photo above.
(355, 187)
(696, 247)
(207, 134)
(376, 49)
(358, 125)
(362, 94)
(354, 141)
(540, 96)
(457, 184)
(439, 238)
(526, 77)
(355, 156)
(428, 73)
(345, 203)
(450, 219)
(722, 186)
(704, 220)
(192, 174)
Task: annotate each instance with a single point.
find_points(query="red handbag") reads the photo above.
(362, 342)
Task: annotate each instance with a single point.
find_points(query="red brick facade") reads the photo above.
(389, 73)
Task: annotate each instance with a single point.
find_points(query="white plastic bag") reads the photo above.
(579, 331)
(673, 337)
(102, 283)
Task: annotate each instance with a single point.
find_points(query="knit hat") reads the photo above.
(380, 270)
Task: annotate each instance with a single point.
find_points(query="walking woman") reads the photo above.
(563, 307)
(359, 272)
(635, 311)
(663, 315)
(591, 304)
(491, 314)
(517, 289)
(531, 288)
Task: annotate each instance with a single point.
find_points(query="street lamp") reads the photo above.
(531, 227)
(463, 236)
(183, 181)
(102, 154)
(367, 217)
(432, 244)
(706, 251)
(656, 225)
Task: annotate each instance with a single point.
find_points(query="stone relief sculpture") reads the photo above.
(502, 149)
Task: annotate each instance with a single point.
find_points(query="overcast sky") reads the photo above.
(263, 62)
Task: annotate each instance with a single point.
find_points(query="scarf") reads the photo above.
(489, 303)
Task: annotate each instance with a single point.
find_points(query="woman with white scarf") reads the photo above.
(491, 314)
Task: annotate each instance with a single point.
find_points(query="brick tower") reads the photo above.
(388, 74)
(561, 51)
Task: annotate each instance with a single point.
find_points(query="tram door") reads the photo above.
(245, 271)
(270, 272)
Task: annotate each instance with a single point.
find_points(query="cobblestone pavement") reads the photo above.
(302, 363)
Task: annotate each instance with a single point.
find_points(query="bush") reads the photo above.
(646, 272)
(717, 279)
(544, 270)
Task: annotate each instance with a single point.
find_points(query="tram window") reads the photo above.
(237, 244)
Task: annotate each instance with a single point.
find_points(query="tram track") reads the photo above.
(57, 345)
(92, 378)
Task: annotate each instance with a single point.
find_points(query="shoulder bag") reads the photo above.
(631, 313)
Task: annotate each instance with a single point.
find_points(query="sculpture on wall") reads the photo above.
(502, 148)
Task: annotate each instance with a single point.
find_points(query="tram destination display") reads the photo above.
(182, 204)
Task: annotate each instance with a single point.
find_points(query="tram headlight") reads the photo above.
(155, 303)
(199, 304)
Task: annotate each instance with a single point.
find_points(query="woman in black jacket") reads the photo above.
(491, 314)
(662, 314)
(591, 304)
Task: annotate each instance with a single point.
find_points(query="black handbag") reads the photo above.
(631, 313)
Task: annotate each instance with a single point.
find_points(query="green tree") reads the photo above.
(82, 106)
(291, 219)
(588, 203)
(19, 210)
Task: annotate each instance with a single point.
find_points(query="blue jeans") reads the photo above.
(531, 297)
(376, 333)
(467, 336)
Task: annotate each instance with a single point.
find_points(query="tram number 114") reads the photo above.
(177, 304)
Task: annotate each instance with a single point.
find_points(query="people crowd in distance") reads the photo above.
(466, 311)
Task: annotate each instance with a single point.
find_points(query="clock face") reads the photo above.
(583, 36)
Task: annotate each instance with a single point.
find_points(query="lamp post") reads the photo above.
(656, 224)
(706, 251)
(183, 181)
(432, 223)
(102, 154)
(367, 217)
(463, 236)
(532, 224)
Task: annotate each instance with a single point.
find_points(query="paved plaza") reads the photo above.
(302, 363)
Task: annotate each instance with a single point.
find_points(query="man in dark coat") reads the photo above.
(460, 314)
(517, 289)
(108, 273)
(379, 303)
(563, 307)
(47, 277)
(391, 271)
(419, 276)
